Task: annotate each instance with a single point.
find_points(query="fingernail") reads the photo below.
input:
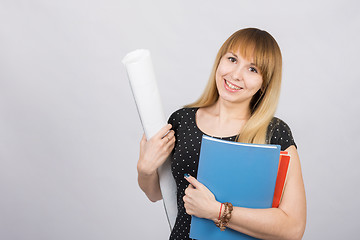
(186, 175)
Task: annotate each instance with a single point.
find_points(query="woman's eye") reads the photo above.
(232, 59)
(252, 69)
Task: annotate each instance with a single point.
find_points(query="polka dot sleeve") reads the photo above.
(279, 133)
(174, 120)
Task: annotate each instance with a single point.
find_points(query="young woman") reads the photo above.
(238, 104)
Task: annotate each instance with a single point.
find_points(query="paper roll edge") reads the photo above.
(135, 56)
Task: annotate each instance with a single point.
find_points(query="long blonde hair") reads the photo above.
(264, 50)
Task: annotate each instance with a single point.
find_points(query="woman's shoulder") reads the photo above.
(277, 123)
(280, 133)
(183, 111)
(182, 114)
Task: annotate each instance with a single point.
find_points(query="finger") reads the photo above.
(187, 210)
(169, 147)
(163, 131)
(143, 140)
(193, 181)
(170, 144)
(169, 136)
(188, 189)
(185, 198)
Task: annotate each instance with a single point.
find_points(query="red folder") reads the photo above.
(281, 178)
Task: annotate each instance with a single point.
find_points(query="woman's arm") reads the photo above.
(285, 222)
(153, 154)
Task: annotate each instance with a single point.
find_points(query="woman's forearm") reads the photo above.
(153, 154)
(271, 223)
(149, 183)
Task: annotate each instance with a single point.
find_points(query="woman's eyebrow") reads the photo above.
(252, 64)
(234, 54)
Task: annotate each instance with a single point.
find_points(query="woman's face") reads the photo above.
(237, 79)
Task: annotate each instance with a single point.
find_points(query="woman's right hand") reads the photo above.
(153, 152)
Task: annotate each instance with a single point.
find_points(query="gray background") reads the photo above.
(69, 130)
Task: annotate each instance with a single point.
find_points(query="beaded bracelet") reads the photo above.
(223, 221)
(220, 212)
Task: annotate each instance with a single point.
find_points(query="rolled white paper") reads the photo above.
(146, 94)
(145, 91)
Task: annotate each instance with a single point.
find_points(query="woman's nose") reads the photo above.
(237, 73)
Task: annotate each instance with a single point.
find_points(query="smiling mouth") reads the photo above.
(231, 86)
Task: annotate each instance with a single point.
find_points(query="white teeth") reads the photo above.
(232, 86)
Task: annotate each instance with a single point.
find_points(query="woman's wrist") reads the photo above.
(145, 170)
(215, 211)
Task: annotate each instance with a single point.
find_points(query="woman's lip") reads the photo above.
(233, 83)
(230, 89)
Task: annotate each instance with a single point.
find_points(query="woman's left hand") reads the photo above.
(199, 201)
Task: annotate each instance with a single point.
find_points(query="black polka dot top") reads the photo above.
(185, 157)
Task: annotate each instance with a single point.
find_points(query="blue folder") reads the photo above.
(242, 174)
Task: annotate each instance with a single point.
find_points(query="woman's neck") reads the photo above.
(231, 111)
(222, 119)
